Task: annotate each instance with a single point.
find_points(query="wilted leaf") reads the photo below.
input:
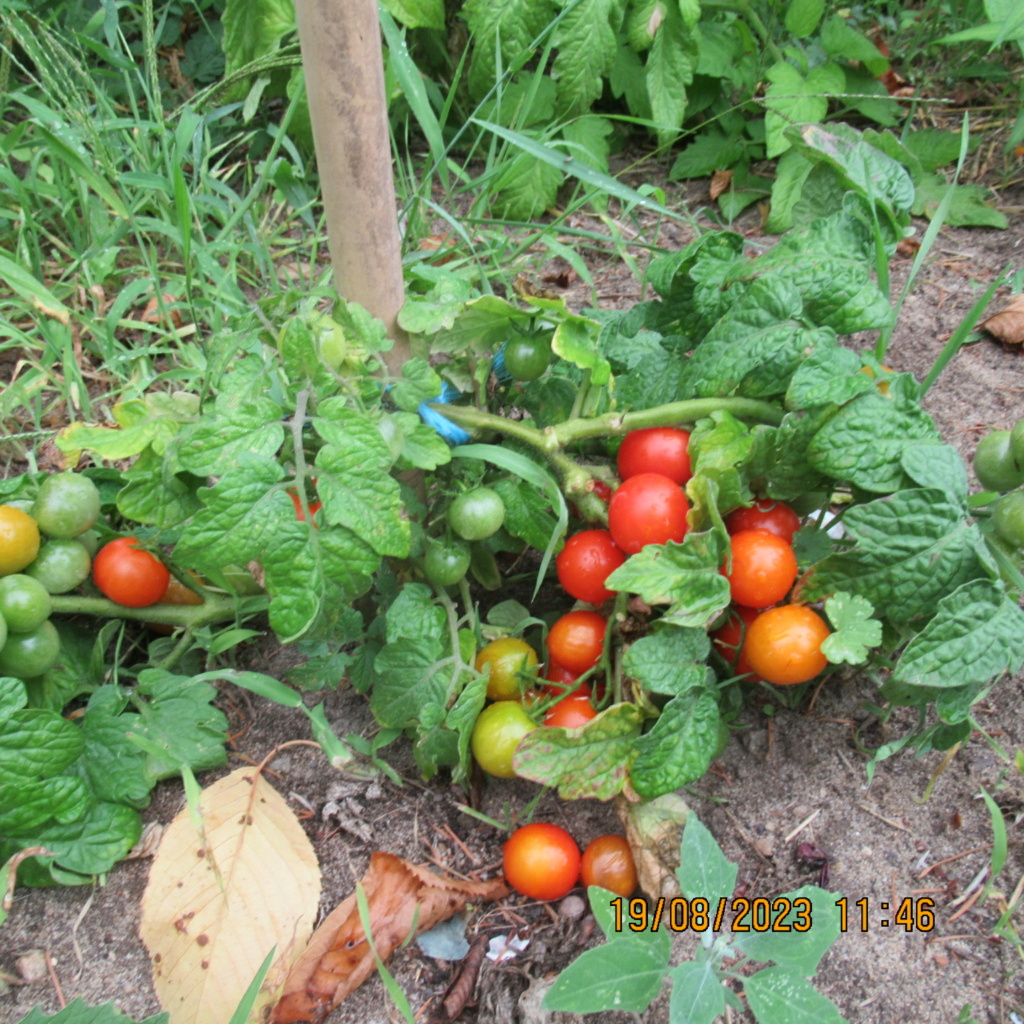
(654, 829)
(720, 181)
(218, 900)
(403, 900)
(1007, 325)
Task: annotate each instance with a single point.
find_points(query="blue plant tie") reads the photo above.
(504, 377)
(451, 432)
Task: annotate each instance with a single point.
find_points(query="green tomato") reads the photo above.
(90, 540)
(330, 340)
(61, 565)
(25, 655)
(3, 632)
(995, 465)
(24, 603)
(497, 732)
(1017, 442)
(1008, 518)
(527, 355)
(446, 562)
(67, 504)
(477, 514)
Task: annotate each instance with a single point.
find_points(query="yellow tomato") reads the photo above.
(507, 657)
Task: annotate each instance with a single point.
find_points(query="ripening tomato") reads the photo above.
(572, 712)
(728, 639)
(541, 861)
(314, 507)
(608, 863)
(763, 568)
(562, 680)
(129, 575)
(496, 734)
(664, 450)
(19, 539)
(585, 562)
(576, 640)
(507, 657)
(647, 509)
(783, 644)
(765, 514)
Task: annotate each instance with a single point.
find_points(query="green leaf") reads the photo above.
(803, 16)
(239, 424)
(463, 715)
(411, 677)
(967, 209)
(36, 744)
(909, 551)
(670, 64)
(683, 575)
(829, 375)
(855, 631)
(625, 973)
(34, 292)
(938, 466)
(78, 1012)
(437, 308)
(587, 763)
(506, 29)
(586, 44)
(254, 30)
(417, 13)
(703, 871)
(669, 661)
(527, 512)
(25, 809)
(779, 995)
(697, 994)
(418, 383)
(841, 40)
(791, 174)
(794, 99)
(710, 151)
(680, 747)
(90, 845)
(935, 148)
(977, 634)
(153, 493)
(412, 443)
(353, 481)
(13, 697)
(865, 440)
(779, 457)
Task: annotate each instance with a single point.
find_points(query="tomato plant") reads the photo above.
(608, 863)
(765, 514)
(129, 575)
(30, 654)
(61, 565)
(541, 861)
(506, 657)
(24, 603)
(783, 644)
(763, 568)
(446, 562)
(314, 507)
(477, 514)
(562, 680)
(67, 505)
(527, 355)
(647, 509)
(571, 712)
(19, 539)
(662, 450)
(1008, 518)
(576, 640)
(728, 640)
(496, 733)
(995, 464)
(585, 562)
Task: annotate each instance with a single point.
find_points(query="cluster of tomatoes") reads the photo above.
(999, 466)
(51, 545)
(542, 861)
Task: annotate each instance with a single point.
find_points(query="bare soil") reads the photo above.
(792, 777)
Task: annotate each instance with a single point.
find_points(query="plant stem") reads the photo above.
(215, 608)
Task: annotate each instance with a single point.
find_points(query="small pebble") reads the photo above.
(572, 907)
(31, 967)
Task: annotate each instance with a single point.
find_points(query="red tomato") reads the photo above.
(541, 861)
(128, 575)
(602, 490)
(608, 863)
(783, 644)
(664, 450)
(314, 507)
(763, 568)
(765, 514)
(585, 563)
(576, 640)
(571, 713)
(647, 509)
(562, 679)
(730, 637)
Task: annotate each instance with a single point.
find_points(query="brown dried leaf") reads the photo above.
(404, 900)
(654, 829)
(222, 894)
(153, 314)
(720, 182)
(526, 289)
(1007, 325)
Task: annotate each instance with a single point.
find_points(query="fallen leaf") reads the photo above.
(404, 900)
(654, 829)
(526, 289)
(222, 894)
(1007, 325)
(153, 314)
(720, 182)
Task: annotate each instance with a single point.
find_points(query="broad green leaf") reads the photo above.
(855, 631)
(527, 512)
(576, 341)
(13, 697)
(969, 206)
(586, 44)
(829, 375)
(25, 809)
(436, 309)
(22, 282)
(153, 493)
(909, 551)
(938, 466)
(976, 635)
(625, 973)
(418, 383)
(114, 766)
(779, 456)
(669, 661)
(781, 994)
(502, 31)
(412, 675)
(710, 151)
(415, 615)
(591, 762)
(697, 995)
(791, 173)
(792, 98)
(412, 443)
(683, 575)
(485, 323)
(78, 1012)
(462, 717)
(35, 744)
(254, 30)
(152, 421)
(803, 16)
(680, 747)
(670, 63)
(92, 844)
(239, 424)
(865, 440)
(840, 39)
(934, 148)
(416, 13)
(703, 870)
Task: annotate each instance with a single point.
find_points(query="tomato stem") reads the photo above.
(215, 608)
